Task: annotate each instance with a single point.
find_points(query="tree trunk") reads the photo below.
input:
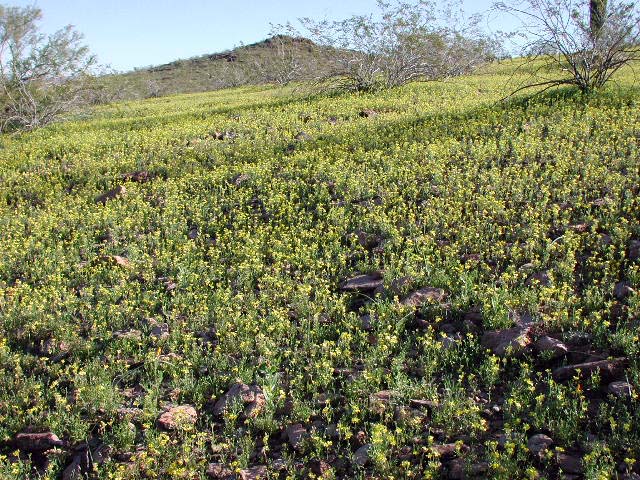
(598, 16)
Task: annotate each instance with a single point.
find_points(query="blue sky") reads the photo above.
(137, 33)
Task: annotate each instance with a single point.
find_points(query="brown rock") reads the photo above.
(380, 401)
(368, 113)
(37, 442)
(362, 456)
(250, 396)
(579, 227)
(570, 463)
(363, 283)
(218, 470)
(178, 417)
(513, 340)
(302, 137)
(539, 443)
(634, 250)
(296, 435)
(550, 344)
(607, 368)
(622, 290)
(117, 260)
(620, 389)
(539, 278)
(111, 194)
(254, 473)
(141, 176)
(320, 468)
(423, 296)
(449, 449)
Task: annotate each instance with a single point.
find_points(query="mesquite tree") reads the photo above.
(401, 42)
(576, 42)
(41, 76)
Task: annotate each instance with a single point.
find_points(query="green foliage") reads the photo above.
(239, 242)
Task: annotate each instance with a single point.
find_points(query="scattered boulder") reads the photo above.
(178, 417)
(607, 368)
(423, 296)
(449, 449)
(250, 396)
(539, 443)
(539, 279)
(634, 250)
(552, 345)
(140, 176)
(193, 233)
(111, 194)
(380, 401)
(569, 463)
(622, 290)
(296, 435)
(218, 470)
(365, 322)
(36, 442)
(320, 468)
(240, 179)
(302, 137)
(368, 113)
(254, 473)
(458, 470)
(620, 389)
(127, 335)
(158, 330)
(579, 227)
(363, 283)
(362, 455)
(513, 340)
(117, 260)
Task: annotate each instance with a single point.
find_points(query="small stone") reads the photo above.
(254, 473)
(449, 449)
(622, 290)
(251, 397)
(178, 417)
(111, 194)
(368, 113)
(363, 283)
(218, 470)
(141, 176)
(320, 468)
(513, 340)
(539, 443)
(361, 457)
(37, 442)
(120, 261)
(570, 463)
(240, 179)
(365, 322)
(159, 330)
(127, 335)
(539, 279)
(380, 401)
(550, 344)
(423, 296)
(634, 250)
(296, 435)
(620, 389)
(607, 368)
(302, 137)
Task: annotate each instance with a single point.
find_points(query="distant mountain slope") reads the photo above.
(267, 61)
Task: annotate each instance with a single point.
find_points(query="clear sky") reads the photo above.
(137, 33)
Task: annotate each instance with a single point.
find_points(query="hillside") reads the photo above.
(422, 283)
(256, 63)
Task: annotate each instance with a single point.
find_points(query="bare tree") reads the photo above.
(41, 77)
(575, 42)
(402, 42)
